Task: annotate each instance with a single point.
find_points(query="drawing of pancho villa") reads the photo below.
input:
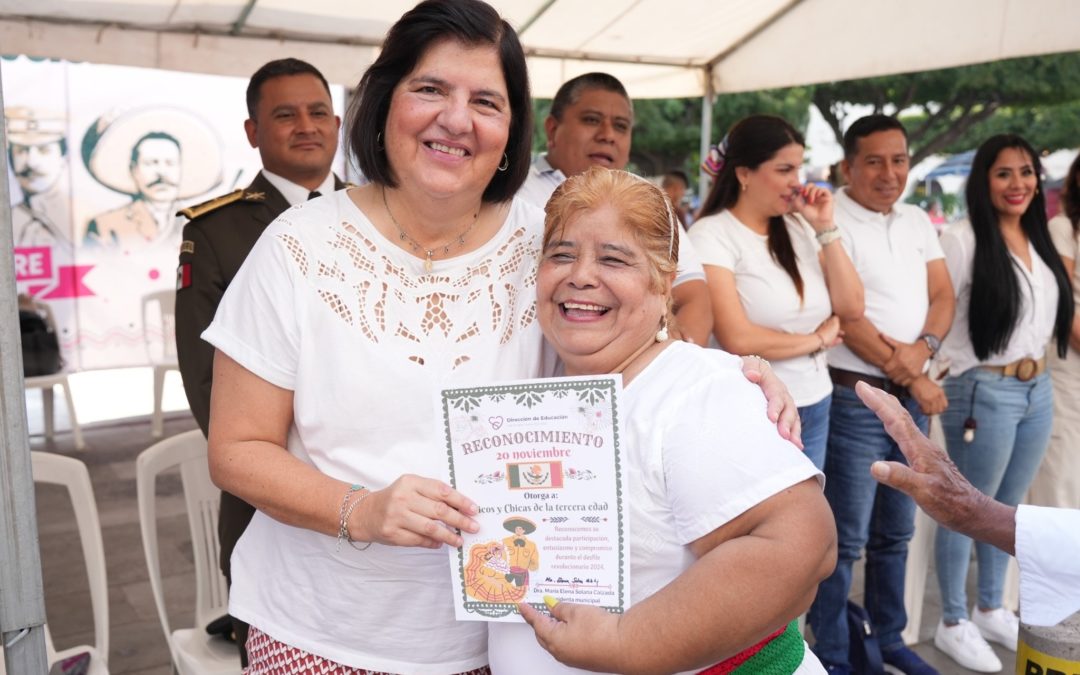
(158, 157)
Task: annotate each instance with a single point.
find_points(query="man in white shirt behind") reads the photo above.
(591, 122)
(909, 307)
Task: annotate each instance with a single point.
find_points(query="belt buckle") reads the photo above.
(1026, 369)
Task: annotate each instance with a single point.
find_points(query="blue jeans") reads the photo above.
(815, 430)
(1014, 420)
(867, 514)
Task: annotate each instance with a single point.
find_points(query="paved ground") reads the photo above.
(137, 643)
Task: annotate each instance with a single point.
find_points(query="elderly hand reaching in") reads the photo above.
(933, 481)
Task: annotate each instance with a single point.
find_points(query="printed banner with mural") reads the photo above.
(100, 160)
(542, 460)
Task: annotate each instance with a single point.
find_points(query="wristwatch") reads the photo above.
(933, 342)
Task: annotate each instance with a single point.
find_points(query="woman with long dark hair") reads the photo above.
(1012, 297)
(778, 275)
(1058, 481)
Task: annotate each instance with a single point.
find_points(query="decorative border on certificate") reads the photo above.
(542, 459)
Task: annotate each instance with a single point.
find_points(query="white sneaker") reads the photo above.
(966, 646)
(998, 625)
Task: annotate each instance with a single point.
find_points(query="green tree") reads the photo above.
(959, 107)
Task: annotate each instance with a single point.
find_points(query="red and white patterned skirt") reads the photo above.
(267, 656)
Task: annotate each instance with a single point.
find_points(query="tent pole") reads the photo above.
(22, 596)
(706, 132)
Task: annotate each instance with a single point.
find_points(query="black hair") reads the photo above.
(995, 290)
(1070, 195)
(571, 90)
(274, 70)
(675, 174)
(751, 142)
(152, 136)
(472, 23)
(865, 126)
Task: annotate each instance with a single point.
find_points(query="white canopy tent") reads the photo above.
(658, 48)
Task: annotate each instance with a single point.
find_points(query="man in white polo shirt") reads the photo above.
(909, 308)
(590, 123)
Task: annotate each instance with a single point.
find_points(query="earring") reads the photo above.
(378, 141)
(505, 163)
(1036, 190)
(662, 334)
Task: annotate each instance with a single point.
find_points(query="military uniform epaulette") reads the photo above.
(193, 212)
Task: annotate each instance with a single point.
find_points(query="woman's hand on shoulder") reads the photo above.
(815, 203)
(414, 511)
(781, 407)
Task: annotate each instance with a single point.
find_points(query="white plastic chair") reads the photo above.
(46, 383)
(194, 652)
(166, 361)
(72, 474)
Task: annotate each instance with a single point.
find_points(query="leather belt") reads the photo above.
(1021, 369)
(849, 378)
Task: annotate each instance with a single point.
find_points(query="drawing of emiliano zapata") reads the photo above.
(157, 156)
(37, 153)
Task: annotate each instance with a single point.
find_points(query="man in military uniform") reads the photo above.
(37, 153)
(292, 124)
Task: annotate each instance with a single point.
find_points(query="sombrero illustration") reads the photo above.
(511, 524)
(108, 144)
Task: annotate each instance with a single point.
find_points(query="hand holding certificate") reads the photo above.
(542, 460)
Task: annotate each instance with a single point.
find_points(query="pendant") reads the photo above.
(427, 265)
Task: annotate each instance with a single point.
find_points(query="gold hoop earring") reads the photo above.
(505, 163)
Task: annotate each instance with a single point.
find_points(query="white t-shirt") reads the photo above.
(699, 452)
(328, 308)
(1038, 305)
(890, 253)
(543, 180)
(768, 294)
(1048, 551)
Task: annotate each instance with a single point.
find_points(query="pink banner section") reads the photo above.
(33, 263)
(70, 283)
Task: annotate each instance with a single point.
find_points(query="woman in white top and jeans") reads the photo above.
(779, 282)
(1012, 297)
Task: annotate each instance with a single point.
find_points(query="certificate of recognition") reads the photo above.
(542, 460)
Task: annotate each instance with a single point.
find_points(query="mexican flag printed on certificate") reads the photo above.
(543, 461)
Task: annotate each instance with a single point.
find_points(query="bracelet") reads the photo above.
(820, 349)
(346, 512)
(828, 236)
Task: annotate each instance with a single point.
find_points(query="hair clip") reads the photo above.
(714, 160)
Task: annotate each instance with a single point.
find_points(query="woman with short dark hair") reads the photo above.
(348, 313)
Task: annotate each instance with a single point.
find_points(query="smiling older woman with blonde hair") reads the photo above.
(717, 499)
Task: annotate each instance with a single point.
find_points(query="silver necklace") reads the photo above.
(428, 252)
